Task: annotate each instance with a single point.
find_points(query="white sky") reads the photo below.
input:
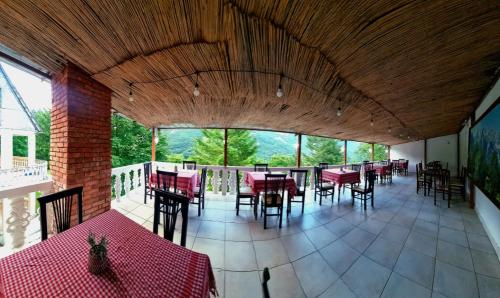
(36, 93)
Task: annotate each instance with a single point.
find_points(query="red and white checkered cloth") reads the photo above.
(341, 177)
(142, 265)
(257, 182)
(381, 169)
(187, 180)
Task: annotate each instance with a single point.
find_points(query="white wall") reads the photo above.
(444, 149)
(413, 151)
(488, 213)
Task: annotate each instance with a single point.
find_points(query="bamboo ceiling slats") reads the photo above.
(419, 67)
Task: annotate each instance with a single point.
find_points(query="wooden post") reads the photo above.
(153, 144)
(373, 152)
(299, 149)
(345, 152)
(225, 147)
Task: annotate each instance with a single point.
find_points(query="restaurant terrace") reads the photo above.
(417, 81)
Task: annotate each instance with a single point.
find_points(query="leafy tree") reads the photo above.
(20, 146)
(42, 117)
(282, 160)
(131, 143)
(323, 150)
(364, 152)
(209, 148)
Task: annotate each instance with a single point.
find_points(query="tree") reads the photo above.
(323, 150)
(364, 152)
(131, 143)
(209, 148)
(282, 160)
(42, 117)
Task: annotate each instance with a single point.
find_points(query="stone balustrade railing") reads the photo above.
(25, 175)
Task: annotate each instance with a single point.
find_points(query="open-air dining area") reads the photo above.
(287, 148)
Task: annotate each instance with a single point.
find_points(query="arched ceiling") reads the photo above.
(417, 67)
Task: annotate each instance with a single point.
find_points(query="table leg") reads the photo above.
(255, 206)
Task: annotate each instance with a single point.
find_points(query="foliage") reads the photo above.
(42, 117)
(282, 160)
(323, 150)
(176, 158)
(209, 148)
(100, 249)
(20, 146)
(364, 152)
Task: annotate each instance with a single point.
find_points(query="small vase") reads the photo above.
(97, 265)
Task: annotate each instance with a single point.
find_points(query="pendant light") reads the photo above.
(280, 92)
(339, 110)
(196, 91)
(130, 95)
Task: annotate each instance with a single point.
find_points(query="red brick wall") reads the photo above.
(80, 141)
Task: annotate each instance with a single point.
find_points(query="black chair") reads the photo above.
(62, 203)
(356, 167)
(321, 186)
(265, 278)
(457, 184)
(273, 196)
(166, 181)
(442, 185)
(188, 165)
(244, 193)
(261, 167)
(300, 177)
(323, 165)
(148, 187)
(170, 204)
(423, 180)
(366, 192)
(200, 191)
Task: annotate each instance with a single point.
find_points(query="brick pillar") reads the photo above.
(80, 141)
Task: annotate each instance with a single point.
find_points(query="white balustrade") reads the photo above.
(25, 175)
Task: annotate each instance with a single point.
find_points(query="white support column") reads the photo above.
(31, 149)
(7, 149)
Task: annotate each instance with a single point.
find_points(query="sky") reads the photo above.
(36, 93)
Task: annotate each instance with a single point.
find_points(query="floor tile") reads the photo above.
(384, 252)
(238, 232)
(422, 243)
(355, 217)
(212, 230)
(314, 274)
(339, 227)
(486, 264)
(452, 223)
(403, 220)
(239, 256)
(453, 236)
(213, 248)
(339, 290)
(144, 211)
(219, 281)
(416, 267)
(242, 284)
(427, 228)
(284, 283)
(372, 225)
(297, 246)
(383, 215)
(479, 242)
(320, 236)
(454, 282)
(258, 233)
(366, 278)
(358, 239)
(455, 255)
(488, 287)
(339, 256)
(270, 253)
(398, 286)
(394, 233)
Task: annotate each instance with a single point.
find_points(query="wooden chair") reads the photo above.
(457, 184)
(261, 167)
(273, 196)
(423, 180)
(321, 186)
(170, 204)
(367, 191)
(265, 278)
(200, 191)
(166, 181)
(148, 188)
(442, 185)
(356, 167)
(244, 193)
(300, 177)
(323, 165)
(62, 202)
(188, 165)
(386, 176)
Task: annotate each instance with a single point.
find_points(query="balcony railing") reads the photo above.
(23, 174)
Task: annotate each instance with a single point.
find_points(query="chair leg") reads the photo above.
(237, 206)
(303, 202)
(199, 206)
(281, 215)
(320, 197)
(449, 198)
(265, 219)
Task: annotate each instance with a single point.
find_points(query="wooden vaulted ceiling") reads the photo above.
(417, 67)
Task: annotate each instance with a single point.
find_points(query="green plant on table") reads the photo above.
(99, 250)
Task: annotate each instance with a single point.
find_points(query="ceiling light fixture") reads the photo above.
(389, 130)
(339, 110)
(371, 121)
(280, 92)
(196, 91)
(130, 95)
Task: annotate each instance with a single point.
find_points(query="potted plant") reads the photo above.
(98, 254)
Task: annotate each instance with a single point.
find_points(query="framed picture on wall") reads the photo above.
(484, 153)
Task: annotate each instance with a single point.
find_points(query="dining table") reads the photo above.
(341, 177)
(142, 264)
(187, 181)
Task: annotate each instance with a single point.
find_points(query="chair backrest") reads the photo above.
(188, 165)
(62, 202)
(323, 165)
(265, 278)
(203, 180)
(274, 189)
(356, 167)
(261, 167)
(368, 166)
(170, 204)
(238, 181)
(369, 180)
(318, 176)
(442, 177)
(166, 181)
(300, 177)
(147, 173)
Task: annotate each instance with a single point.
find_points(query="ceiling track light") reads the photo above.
(389, 129)
(130, 95)
(279, 92)
(339, 110)
(196, 91)
(371, 121)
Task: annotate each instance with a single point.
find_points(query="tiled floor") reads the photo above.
(403, 247)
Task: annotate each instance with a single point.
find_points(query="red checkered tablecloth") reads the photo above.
(257, 182)
(142, 265)
(187, 181)
(341, 177)
(381, 169)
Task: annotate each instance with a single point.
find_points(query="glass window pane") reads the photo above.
(319, 149)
